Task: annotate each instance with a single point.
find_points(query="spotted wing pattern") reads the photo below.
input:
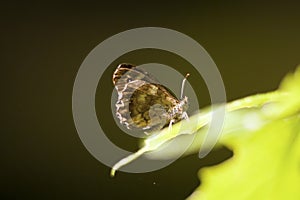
(143, 103)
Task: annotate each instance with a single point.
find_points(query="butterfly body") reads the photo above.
(143, 103)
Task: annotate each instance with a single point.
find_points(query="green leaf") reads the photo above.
(265, 165)
(266, 161)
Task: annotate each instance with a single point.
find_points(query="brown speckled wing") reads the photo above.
(142, 102)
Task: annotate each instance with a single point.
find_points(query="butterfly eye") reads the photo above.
(129, 80)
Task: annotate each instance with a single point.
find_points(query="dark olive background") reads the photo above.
(42, 47)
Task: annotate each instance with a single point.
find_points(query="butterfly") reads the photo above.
(145, 104)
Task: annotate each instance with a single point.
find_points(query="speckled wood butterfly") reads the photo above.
(143, 103)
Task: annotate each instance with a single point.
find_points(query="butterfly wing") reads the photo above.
(126, 73)
(142, 103)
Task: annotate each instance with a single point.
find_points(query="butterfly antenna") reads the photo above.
(182, 85)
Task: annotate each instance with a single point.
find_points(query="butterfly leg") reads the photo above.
(170, 124)
(185, 116)
(147, 133)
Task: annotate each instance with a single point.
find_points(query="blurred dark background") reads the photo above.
(254, 44)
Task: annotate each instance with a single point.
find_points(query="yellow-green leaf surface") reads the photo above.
(266, 161)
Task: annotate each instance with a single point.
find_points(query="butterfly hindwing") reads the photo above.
(142, 103)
